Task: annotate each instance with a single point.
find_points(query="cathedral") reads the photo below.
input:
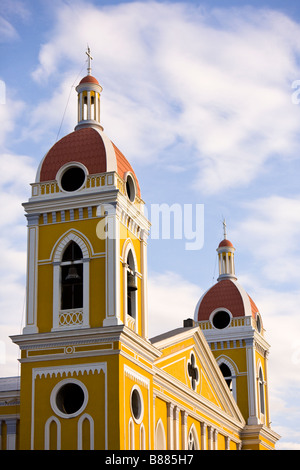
(91, 378)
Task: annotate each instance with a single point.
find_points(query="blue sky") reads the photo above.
(199, 97)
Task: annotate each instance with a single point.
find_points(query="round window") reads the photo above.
(136, 404)
(221, 319)
(72, 179)
(69, 398)
(130, 188)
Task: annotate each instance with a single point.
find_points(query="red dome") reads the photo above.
(90, 147)
(89, 79)
(226, 294)
(225, 242)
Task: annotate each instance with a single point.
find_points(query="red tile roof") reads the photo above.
(87, 147)
(225, 294)
(225, 242)
(89, 79)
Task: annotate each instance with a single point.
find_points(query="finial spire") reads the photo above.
(90, 58)
(224, 229)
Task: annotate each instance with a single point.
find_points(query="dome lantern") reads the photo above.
(226, 258)
(89, 91)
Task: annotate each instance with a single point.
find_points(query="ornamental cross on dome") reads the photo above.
(90, 58)
(224, 229)
(193, 372)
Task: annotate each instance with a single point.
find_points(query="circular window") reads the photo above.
(72, 179)
(130, 188)
(221, 319)
(69, 398)
(136, 404)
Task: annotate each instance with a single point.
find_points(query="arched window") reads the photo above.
(261, 391)
(193, 443)
(72, 277)
(71, 282)
(131, 286)
(227, 375)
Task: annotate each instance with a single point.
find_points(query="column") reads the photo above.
(170, 437)
(144, 319)
(227, 443)
(11, 430)
(215, 439)
(183, 430)
(176, 427)
(267, 411)
(89, 105)
(251, 380)
(32, 273)
(203, 436)
(112, 238)
(210, 440)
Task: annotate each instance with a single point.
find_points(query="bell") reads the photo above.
(72, 274)
(131, 282)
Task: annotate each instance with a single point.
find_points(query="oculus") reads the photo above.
(72, 179)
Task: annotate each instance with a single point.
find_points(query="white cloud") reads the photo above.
(7, 31)
(270, 231)
(10, 110)
(219, 80)
(171, 300)
(9, 352)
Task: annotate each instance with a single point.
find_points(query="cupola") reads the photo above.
(226, 258)
(89, 91)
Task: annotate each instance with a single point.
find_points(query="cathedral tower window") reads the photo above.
(261, 391)
(131, 286)
(220, 319)
(71, 177)
(136, 404)
(130, 187)
(227, 375)
(69, 398)
(71, 282)
(72, 277)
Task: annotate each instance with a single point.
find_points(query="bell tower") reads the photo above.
(232, 325)
(86, 287)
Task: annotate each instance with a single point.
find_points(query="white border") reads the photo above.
(140, 419)
(130, 175)
(213, 313)
(66, 167)
(56, 390)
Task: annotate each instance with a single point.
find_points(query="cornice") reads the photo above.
(86, 336)
(261, 430)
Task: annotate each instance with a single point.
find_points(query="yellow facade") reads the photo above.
(90, 376)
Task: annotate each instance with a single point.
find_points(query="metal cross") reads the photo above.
(224, 228)
(88, 53)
